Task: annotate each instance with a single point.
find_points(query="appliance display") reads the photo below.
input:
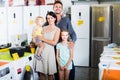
(116, 24)
(44, 9)
(100, 31)
(80, 18)
(15, 22)
(3, 26)
(30, 14)
(11, 69)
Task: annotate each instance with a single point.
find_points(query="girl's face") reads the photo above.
(64, 36)
(58, 8)
(51, 19)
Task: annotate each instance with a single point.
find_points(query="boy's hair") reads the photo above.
(58, 2)
(39, 17)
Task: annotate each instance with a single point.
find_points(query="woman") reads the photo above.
(47, 66)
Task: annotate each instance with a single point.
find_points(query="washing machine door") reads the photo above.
(28, 73)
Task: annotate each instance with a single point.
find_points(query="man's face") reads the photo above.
(58, 8)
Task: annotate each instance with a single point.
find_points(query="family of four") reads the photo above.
(55, 40)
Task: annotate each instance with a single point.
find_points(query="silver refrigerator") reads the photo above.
(116, 23)
(100, 31)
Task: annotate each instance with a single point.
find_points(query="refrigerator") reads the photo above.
(29, 15)
(15, 22)
(80, 18)
(100, 31)
(43, 9)
(3, 25)
(116, 23)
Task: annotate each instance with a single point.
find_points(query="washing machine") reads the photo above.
(20, 69)
(23, 65)
(6, 70)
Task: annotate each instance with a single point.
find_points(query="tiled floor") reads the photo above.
(85, 73)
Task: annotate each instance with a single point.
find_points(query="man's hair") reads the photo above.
(58, 2)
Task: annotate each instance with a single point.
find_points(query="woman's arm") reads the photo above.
(55, 39)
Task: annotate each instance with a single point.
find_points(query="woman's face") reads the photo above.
(51, 19)
(58, 8)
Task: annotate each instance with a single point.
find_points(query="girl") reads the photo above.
(64, 55)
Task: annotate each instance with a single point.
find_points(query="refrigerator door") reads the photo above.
(3, 26)
(29, 14)
(15, 22)
(43, 9)
(116, 23)
(80, 18)
(100, 32)
(81, 52)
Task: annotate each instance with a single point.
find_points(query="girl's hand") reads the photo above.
(65, 67)
(61, 68)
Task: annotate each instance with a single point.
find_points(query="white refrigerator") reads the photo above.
(44, 9)
(3, 26)
(15, 22)
(80, 18)
(29, 15)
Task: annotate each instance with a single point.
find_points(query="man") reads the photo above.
(64, 23)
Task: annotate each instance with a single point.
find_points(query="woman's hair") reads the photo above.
(64, 30)
(51, 13)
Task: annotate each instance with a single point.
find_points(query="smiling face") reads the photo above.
(50, 19)
(64, 35)
(58, 8)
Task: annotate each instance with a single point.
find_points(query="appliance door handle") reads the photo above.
(101, 39)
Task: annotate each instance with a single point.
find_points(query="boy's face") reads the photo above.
(40, 21)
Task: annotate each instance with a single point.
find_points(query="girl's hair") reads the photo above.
(64, 30)
(51, 13)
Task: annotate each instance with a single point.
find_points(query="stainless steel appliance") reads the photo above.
(100, 31)
(116, 23)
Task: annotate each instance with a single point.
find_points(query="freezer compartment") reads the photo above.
(96, 50)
